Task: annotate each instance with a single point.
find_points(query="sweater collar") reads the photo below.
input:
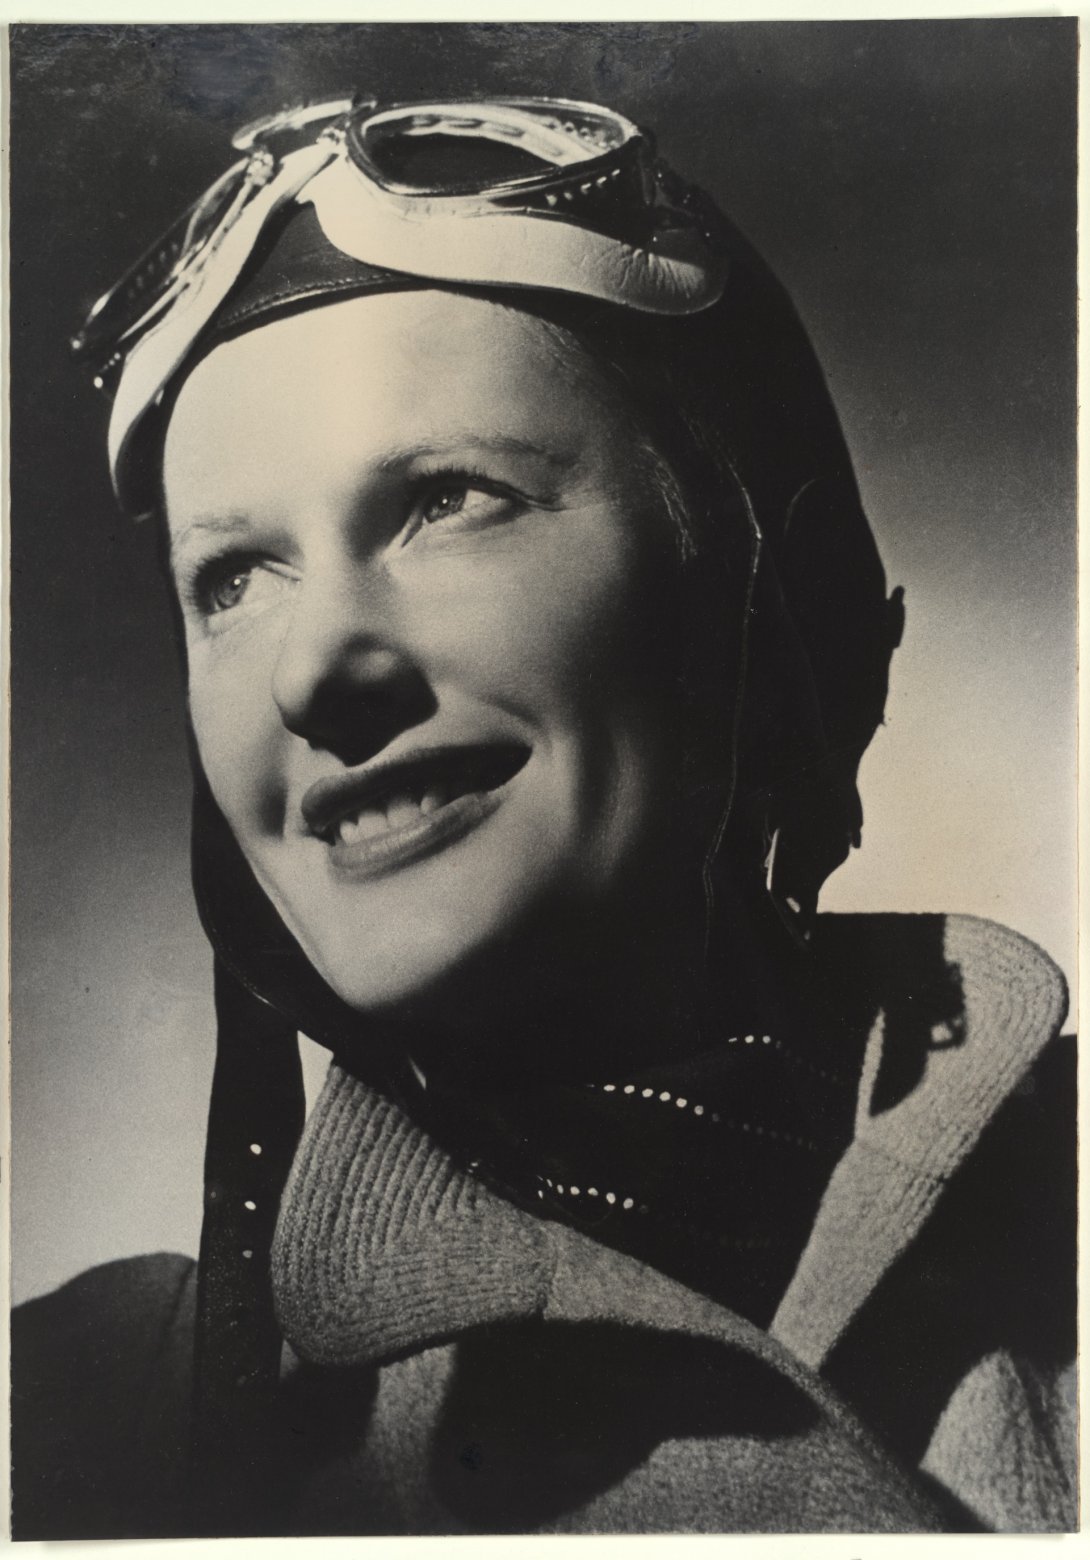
(911, 1137)
(385, 1244)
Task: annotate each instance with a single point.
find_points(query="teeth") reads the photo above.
(432, 799)
(348, 831)
(368, 823)
(396, 813)
(401, 810)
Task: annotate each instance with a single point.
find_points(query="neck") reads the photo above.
(642, 997)
(653, 996)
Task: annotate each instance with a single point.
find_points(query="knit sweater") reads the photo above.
(458, 1364)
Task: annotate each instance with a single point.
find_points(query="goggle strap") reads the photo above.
(302, 116)
(160, 352)
(598, 219)
(451, 242)
(195, 255)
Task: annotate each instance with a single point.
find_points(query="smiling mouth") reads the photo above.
(395, 812)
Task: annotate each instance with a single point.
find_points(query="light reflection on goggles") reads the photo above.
(509, 192)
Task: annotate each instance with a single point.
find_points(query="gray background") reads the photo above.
(913, 183)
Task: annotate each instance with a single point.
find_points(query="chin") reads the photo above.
(495, 925)
(396, 979)
(437, 948)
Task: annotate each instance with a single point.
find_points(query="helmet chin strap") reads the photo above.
(794, 911)
(741, 693)
(255, 1120)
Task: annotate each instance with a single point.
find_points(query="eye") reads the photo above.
(228, 585)
(468, 499)
(228, 591)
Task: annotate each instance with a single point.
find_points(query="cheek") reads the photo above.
(567, 633)
(575, 626)
(238, 733)
(606, 668)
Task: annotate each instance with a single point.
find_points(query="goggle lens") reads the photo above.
(466, 149)
(441, 163)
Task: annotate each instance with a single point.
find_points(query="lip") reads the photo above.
(361, 860)
(486, 769)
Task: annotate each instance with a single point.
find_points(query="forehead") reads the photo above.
(377, 374)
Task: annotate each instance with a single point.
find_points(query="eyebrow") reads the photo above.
(395, 460)
(499, 443)
(223, 525)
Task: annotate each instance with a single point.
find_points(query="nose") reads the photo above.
(344, 680)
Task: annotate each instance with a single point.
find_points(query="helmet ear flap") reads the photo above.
(813, 837)
(834, 588)
(821, 638)
(812, 825)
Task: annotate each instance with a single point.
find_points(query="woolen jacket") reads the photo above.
(456, 1364)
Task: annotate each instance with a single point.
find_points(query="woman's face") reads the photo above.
(425, 585)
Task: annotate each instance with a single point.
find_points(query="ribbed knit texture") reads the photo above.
(625, 1401)
(1004, 1443)
(881, 1193)
(385, 1250)
(383, 1244)
(787, 1475)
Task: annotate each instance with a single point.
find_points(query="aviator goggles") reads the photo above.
(510, 192)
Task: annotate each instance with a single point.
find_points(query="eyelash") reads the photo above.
(434, 485)
(198, 588)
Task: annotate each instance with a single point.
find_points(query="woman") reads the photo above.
(534, 633)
